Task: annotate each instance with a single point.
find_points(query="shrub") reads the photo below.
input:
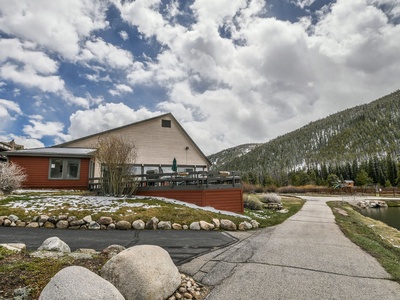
(271, 198)
(11, 177)
(253, 203)
(291, 190)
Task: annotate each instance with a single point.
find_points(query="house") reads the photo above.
(158, 142)
(348, 183)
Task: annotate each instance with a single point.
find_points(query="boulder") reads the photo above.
(216, 223)
(113, 250)
(79, 222)
(62, 224)
(20, 223)
(164, 225)
(16, 247)
(48, 224)
(152, 223)
(138, 225)
(33, 225)
(206, 226)
(87, 219)
(138, 276)
(105, 221)
(195, 226)
(123, 225)
(13, 218)
(54, 244)
(94, 225)
(43, 218)
(7, 223)
(255, 224)
(245, 226)
(176, 226)
(79, 283)
(228, 225)
(53, 219)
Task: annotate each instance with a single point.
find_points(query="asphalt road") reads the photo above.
(182, 245)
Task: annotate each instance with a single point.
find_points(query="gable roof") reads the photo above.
(137, 123)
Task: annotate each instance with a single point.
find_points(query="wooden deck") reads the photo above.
(220, 190)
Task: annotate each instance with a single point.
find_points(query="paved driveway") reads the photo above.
(306, 257)
(182, 245)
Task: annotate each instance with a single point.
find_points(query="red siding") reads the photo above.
(37, 170)
(223, 199)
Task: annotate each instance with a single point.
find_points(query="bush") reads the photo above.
(11, 177)
(253, 203)
(271, 198)
(291, 190)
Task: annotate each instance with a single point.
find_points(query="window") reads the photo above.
(166, 123)
(64, 168)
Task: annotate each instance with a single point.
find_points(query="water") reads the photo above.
(388, 215)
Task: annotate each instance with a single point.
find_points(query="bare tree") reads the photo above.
(11, 177)
(116, 156)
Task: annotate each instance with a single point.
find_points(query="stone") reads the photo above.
(185, 227)
(13, 218)
(71, 218)
(245, 226)
(79, 283)
(54, 244)
(195, 226)
(113, 250)
(43, 218)
(123, 225)
(20, 223)
(79, 222)
(16, 247)
(216, 223)
(49, 225)
(33, 225)
(138, 276)
(7, 223)
(152, 223)
(13, 224)
(53, 219)
(283, 211)
(63, 217)
(164, 225)
(94, 226)
(105, 220)
(138, 224)
(228, 225)
(255, 224)
(176, 226)
(62, 224)
(87, 219)
(206, 226)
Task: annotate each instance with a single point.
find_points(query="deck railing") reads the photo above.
(195, 179)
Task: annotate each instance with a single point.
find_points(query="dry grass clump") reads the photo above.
(252, 202)
(270, 198)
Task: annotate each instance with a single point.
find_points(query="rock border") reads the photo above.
(107, 223)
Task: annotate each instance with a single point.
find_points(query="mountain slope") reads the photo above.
(355, 134)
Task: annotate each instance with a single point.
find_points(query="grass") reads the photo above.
(375, 237)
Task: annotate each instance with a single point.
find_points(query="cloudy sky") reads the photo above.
(231, 71)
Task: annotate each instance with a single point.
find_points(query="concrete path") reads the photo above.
(306, 257)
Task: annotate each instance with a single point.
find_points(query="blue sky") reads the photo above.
(231, 71)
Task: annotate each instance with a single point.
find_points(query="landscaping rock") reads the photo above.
(33, 225)
(62, 224)
(245, 226)
(176, 226)
(216, 223)
(93, 225)
(228, 225)
(138, 225)
(20, 223)
(113, 250)
(87, 219)
(54, 244)
(79, 222)
(13, 218)
(206, 226)
(43, 219)
(123, 225)
(195, 226)
(49, 225)
(53, 219)
(7, 223)
(255, 224)
(79, 283)
(138, 276)
(152, 223)
(164, 225)
(105, 221)
(16, 247)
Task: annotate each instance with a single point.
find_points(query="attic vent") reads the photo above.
(166, 123)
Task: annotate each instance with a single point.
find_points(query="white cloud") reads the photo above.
(28, 143)
(99, 51)
(120, 89)
(57, 25)
(124, 35)
(104, 117)
(39, 129)
(7, 107)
